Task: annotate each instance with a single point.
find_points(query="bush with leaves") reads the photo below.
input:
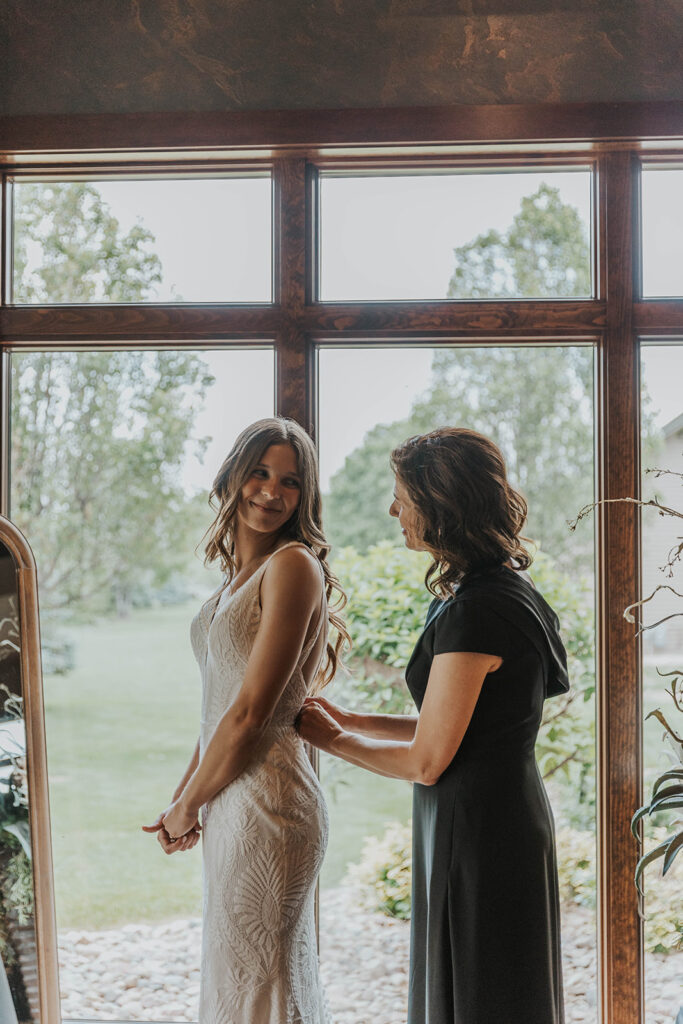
(382, 875)
(385, 614)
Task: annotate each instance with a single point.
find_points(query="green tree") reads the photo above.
(98, 438)
(544, 254)
(535, 402)
(69, 247)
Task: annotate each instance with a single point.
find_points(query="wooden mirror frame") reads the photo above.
(36, 765)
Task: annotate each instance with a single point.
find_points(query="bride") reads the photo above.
(262, 646)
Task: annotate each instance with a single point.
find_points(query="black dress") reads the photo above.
(485, 929)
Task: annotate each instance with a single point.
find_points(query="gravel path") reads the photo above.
(151, 972)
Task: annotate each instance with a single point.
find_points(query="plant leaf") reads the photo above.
(640, 813)
(676, 790)
(675, 846)
(672, 773)
(658, 851)
(20, 830)
(666, 803)
(660, 718)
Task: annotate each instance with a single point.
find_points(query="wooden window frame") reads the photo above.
(614, 138)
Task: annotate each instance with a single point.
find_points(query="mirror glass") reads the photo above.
(18, 976)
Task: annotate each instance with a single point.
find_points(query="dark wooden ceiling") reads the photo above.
(126, 56)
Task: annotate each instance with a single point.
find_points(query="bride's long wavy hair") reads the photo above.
(305, 524)
(469, 515)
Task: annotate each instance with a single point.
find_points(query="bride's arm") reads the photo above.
(291, 592)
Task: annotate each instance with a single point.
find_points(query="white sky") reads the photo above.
(382, 237)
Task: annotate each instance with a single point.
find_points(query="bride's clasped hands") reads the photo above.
(177, 829)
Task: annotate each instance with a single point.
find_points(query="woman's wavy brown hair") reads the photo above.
(305, 524)
(469, 516)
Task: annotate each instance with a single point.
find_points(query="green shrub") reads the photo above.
(16, 883)
(576, 865)
(387, 601)
(382, 878)
(663, 903)
(387, 606)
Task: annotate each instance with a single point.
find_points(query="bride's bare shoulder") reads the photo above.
(293, 568)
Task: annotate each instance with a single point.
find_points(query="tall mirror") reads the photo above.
(28, 952)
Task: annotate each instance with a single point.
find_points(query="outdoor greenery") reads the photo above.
(120, 730)
(69, 247)
(382, 876)
(386, 610)
(666, 795)
(98, 443)
(98, 438)
(383, 873)
(16, 874)
(544, 254)
(544, 431)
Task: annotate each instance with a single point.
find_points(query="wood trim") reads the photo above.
(659, 316)
(292, 361)
(5, 403)
(453, 318)
(292, 371)
(144, 323)
(222, 131)
(619, 695)
(290, 233)
(30, 325)
(6, 250)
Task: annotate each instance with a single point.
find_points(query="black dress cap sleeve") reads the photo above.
(468, 624)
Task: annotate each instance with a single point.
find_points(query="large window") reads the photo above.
(113, 457)
(662, 581)
(147, 314)
(131, 240)
(522, 234)
(548, 443)
(662, 219)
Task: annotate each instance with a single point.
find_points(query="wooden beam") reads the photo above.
(225, 131)
(619, 695)
(135, 324)
(292, 358)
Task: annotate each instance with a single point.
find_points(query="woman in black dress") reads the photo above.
(485, 927)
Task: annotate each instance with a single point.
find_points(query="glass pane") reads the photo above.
(662, 460)
(537, 403)
(168, 240)
(113, 454)
(522, 234)
(662, 219)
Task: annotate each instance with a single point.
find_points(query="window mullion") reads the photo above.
(293, 364)
(619, 698)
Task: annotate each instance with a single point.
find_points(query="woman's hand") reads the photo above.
(341, 716)
(165, 830)
(178, 820)
(316, 726)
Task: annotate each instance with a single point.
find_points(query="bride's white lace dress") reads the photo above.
(264, 838)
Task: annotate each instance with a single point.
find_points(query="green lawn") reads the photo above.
(120, 729)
